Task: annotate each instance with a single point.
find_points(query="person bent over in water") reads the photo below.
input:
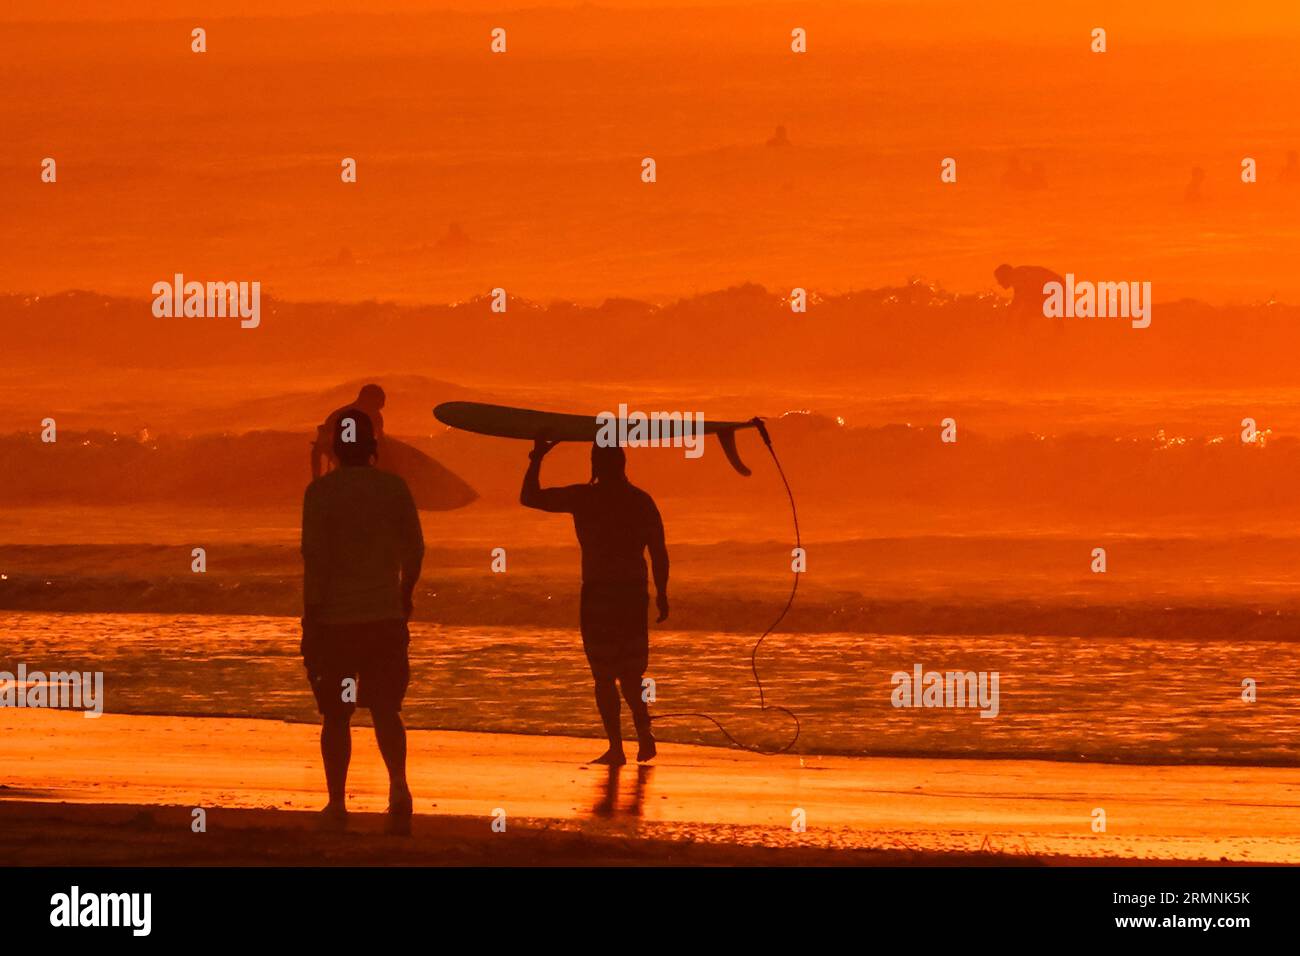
(1027, 283)
(369, 400)
(616, 524)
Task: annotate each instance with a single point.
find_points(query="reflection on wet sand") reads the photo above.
(607, 794)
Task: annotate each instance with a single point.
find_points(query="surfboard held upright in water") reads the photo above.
(502, 421)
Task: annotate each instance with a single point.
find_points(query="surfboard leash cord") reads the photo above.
(763, 705)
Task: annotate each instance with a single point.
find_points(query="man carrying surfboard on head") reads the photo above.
(616, 524)
(369, 400)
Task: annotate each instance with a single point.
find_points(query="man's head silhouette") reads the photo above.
(1003, 274)
(354, 438)
(371, 398)
(608, 463)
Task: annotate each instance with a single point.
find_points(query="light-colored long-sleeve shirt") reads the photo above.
(362, 546)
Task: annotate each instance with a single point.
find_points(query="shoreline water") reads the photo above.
(1168, 701)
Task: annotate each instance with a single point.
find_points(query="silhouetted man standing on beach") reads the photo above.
(616, 522)
(362, 549)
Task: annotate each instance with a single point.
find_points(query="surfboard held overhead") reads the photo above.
(503, 421)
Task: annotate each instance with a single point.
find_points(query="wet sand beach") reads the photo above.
(695, 804)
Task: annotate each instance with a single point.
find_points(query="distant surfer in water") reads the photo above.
(362, 549)
(369, 400)
(616, 523)
(1027, 283)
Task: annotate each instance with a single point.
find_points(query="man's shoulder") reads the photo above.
(350, 477)
(393, 481)
(386, 484)
(642, 496)
(324, 482)
(571, 497)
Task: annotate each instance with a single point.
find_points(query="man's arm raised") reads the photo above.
(533, 495)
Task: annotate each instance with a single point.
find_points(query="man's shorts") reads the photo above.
(615, 628)
(372, 653)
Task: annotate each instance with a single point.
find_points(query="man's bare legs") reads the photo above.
(390, 734)
(631, 685)
(607, 704)
(336, 753)
(607, 694)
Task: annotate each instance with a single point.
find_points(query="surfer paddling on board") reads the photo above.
(369, 400)
(616, 523)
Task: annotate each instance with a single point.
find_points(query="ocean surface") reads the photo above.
(1117, 700)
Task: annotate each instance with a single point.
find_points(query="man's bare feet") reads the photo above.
(646, 750)
(612, 758)
(400, 808)
(333, 818)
